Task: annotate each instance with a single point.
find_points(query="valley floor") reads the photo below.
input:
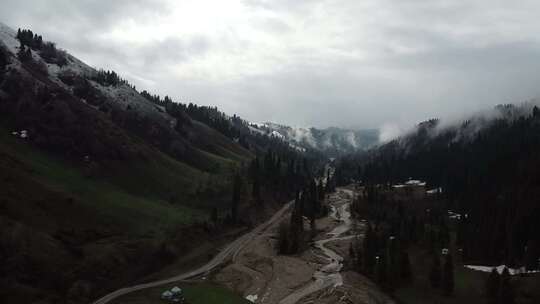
(257, 273)
(263, 276)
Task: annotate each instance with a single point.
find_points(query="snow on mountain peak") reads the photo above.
(330, 140)
(122, 94)
(8, 37)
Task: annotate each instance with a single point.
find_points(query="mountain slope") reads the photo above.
(487, 169)
(95, 176)
(114, 183)
(113, 98)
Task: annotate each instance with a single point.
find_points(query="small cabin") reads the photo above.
(411, 189)
(174, 295)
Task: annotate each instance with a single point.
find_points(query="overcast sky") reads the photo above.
(357, 63)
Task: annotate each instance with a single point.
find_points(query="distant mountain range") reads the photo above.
(331, 141)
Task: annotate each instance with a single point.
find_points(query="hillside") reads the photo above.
(103, 184)
(486, 167)
(455, 200)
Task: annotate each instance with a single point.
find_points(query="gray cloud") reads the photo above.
(351, 63)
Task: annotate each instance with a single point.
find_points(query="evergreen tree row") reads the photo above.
(108, 78)
(309, 204)
(499, 288)
(382, 257)
(442, 278)
(487, 170)
(47, 50)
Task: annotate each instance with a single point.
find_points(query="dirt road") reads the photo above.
(231, 251)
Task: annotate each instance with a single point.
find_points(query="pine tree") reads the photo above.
(359, 258)
(352, 255)
(406, 272)
(256, 191)
(255, 176)
(296, 226)
(536, 112)
(506, 290)
(3, 60)
(435, 273)
(39, 41)
(382, 272)
(214, 215)
(448, 276)
(283, 239)
(393, 270)
(312, 223)
(321, 191)
(531, 255)
(492, 286)
(24, 54)
(369, 251)
(237, 188)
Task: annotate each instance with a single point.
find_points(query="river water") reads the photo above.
(328, 275)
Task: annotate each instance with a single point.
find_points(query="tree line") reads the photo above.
(292, 235)
(391, 229)
(499, 288)
(108, 78)
(273, 177)
(47, 50)
(3, 61)
(486, 169)
(308, 204)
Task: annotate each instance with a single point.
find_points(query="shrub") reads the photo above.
(51, 54)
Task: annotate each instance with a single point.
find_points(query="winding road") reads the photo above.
(231, 251)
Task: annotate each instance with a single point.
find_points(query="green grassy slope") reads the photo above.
(194, 294)
(63, 223)
(106, 189)
(140, 196)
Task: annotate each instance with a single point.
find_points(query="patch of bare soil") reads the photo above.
(356, 289)
(261, 274)
(258, 270)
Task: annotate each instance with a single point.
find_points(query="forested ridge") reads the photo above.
(487, 169)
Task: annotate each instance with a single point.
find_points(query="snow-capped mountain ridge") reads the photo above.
(332, 141)
(75, 76)
(123, 94)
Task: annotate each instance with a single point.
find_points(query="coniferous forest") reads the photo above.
(488, 172)
(482, 209)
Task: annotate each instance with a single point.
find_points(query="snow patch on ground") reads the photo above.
(7, 36)
(298, 148)
(434, 191)
(22, 134)
(122, 94)
(415, 182)
(255, 130)
(277, 134)
(500, 269)
(454, 215)
(252, 298)
(127, 97)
